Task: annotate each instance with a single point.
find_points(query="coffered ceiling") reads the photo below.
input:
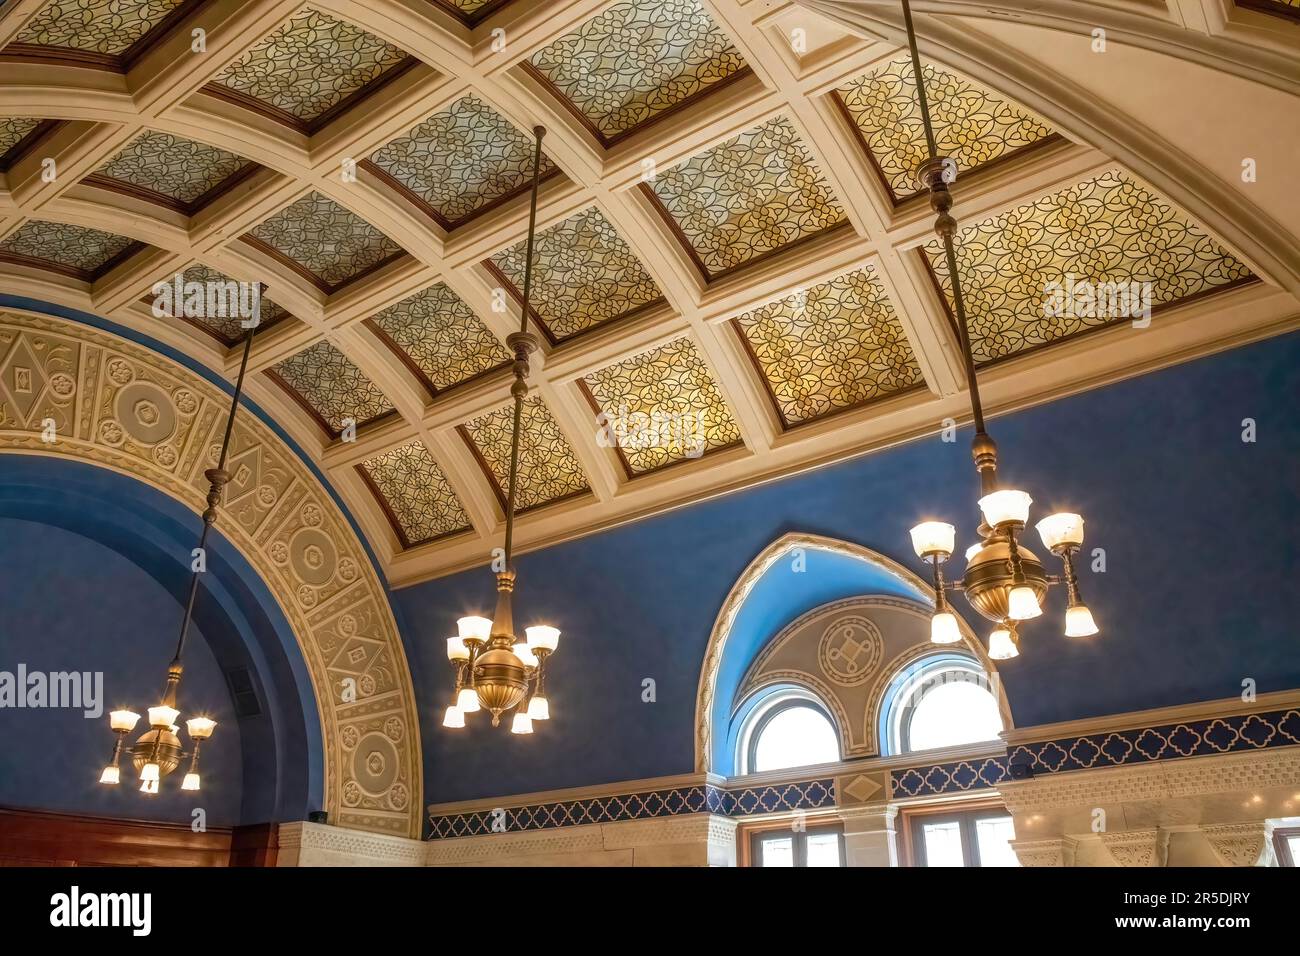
(735, 274)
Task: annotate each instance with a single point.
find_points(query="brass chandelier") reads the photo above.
(1003, 580)
(495, 671)
(158, 750)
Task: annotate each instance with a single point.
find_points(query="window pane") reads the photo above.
(954, 712)
(796, 737)
(992, 835)
(1293, 843)
(943, 844)
(823, 849)
(777, 851)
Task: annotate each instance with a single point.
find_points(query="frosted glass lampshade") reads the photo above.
(525, 654)
(539, 709)
(456, 649)
(931, 537)
(163, 716)
(1022, 604)
(1001, 646)
(542, 637)
(1079, 622)
(149, 786)
(521, 725)
(1003, 507)
(1061, 530)
(191, 781)
(453, 717)
(943, 628)
(467, 700)
(123, 720)
(200, 728)
(111, 775)
(973, 550)
(149, 772)
(474, 628)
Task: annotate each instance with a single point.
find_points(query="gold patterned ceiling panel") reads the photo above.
(583, 274)
(225, 328)
(548, 468)
(746, 198)
(173, 168)
(309, 66)
(331, 389)
(327, 243)
(660, 407)
(1109, 230)
(108, 27)
(13, 130)
(78, 250)
(636, 62)
(441, 337)
(461, 161)
(414, 494)
(834, 346)
(972, 126)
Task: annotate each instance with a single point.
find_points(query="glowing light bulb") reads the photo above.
(1022, 603)
(453, 717)
(191, 781)
(521, 725)
(1001, 646)
(111, 776)
(943, 628)
(467, 700)
(1079, 622)
(539, 708)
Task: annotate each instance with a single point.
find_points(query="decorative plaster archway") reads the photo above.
(120, 406)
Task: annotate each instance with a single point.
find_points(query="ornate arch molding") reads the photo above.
(120, 406)
(781, 549)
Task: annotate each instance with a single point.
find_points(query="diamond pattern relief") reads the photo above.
(971, 126)
(175, 168)
(442, 336)
(747, 197)
(226, 328)
(327, 242)
(461, 161)
(833, 346)
(548, 468)
(331, 388)
(310, 65)
(78, 249)
(583, 274)
(12, 131)
(1106, 230)
(108, 27)
(661, 407)
(636, 61)
(415, 494)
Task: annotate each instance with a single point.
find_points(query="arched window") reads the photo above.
(787, 727)
(939, 701)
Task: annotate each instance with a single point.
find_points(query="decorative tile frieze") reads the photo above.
(331, 389)
(414, 494)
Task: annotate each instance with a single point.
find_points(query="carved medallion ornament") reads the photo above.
(120, 406)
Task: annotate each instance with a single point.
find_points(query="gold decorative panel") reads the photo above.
(331, 388)
(415, 494)
(441, 336)
(310, 65)
(78, 249)
(971, 125)
(548, 468)
(13, 130)
(109, 27)
(747, 197)
(583, 274)
(327, 242)
(227, 329)
(1106, 230)
(833, 346)
(176, 168)
(661, 407)
(461, 161)
(637, 61)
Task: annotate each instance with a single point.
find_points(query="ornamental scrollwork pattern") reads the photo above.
(332, 243)
(1106, 230)
(971, 125)
(229, 328)
(76, 247)
(178, 168)
(118, 405)
(310, 65)
(548, 468)
(583, 274)
(750, 195)
(96, 26)
(416, 494)
(461, 159)
(637, 60)
(833, 346)
(442, 336)
(327, 381)
(12, 131)
(662, 406)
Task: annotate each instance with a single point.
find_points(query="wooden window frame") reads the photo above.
(751, 853)
(1282, 848)
(965, 812)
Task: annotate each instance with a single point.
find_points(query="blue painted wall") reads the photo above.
(1199, 594)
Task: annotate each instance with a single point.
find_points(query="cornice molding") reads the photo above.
(357, 848)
